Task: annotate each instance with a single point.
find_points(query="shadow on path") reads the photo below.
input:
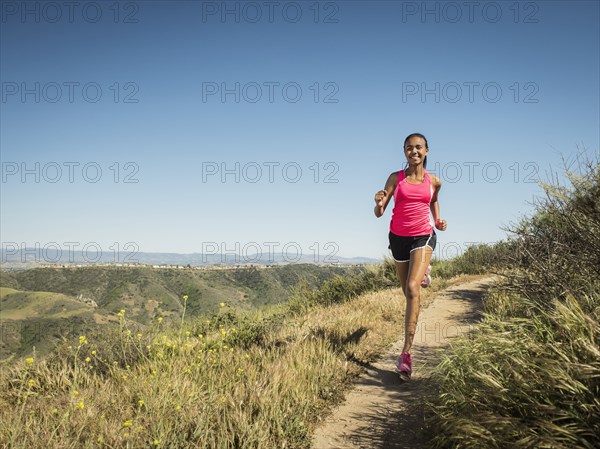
(393, 412)
(405, 427)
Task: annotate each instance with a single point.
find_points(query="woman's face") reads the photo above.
(415, 150)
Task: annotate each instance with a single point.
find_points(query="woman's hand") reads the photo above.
(380, 197)
(440, 224)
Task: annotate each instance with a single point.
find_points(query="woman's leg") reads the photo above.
(419, 260)
(402, 271)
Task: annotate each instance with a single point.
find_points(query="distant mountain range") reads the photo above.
(23, 258)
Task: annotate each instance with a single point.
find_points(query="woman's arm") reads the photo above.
(383, 197)
(435, 205)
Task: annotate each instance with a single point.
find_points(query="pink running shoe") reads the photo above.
(404, 366)
(427, 278)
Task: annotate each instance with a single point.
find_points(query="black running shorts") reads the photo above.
(401, 247)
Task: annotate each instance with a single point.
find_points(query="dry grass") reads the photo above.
(174, 386)
(523, 382)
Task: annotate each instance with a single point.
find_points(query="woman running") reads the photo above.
(412, 237)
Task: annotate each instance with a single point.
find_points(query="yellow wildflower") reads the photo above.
(185, 297)
(160, 318)
(29, 360)
(93, 352)
(31, 382)
(141, 402)
(87, 359)
(128, 423)
(80, 405)
(222, 304)
(178, 408)
(155, 442)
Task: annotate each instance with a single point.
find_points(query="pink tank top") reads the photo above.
(410, 216)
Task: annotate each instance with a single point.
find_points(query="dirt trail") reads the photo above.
(381, 411)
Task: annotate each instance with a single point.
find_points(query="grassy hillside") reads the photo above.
(40, 319)
(40, 305)
(229, 379)
(244, 287)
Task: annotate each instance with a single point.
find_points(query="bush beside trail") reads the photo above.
(530, 376)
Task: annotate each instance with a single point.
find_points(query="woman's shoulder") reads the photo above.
(395, 175)
(435, 181)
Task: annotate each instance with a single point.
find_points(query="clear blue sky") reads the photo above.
(501, 90)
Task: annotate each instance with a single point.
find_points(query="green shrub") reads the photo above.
(530, 376)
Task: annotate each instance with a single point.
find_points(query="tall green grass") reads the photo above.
(530, 376)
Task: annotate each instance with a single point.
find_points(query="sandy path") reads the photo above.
(381, 411)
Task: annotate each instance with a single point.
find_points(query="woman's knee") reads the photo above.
(413, 288)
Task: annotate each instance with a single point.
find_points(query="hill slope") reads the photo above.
(40, 305)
